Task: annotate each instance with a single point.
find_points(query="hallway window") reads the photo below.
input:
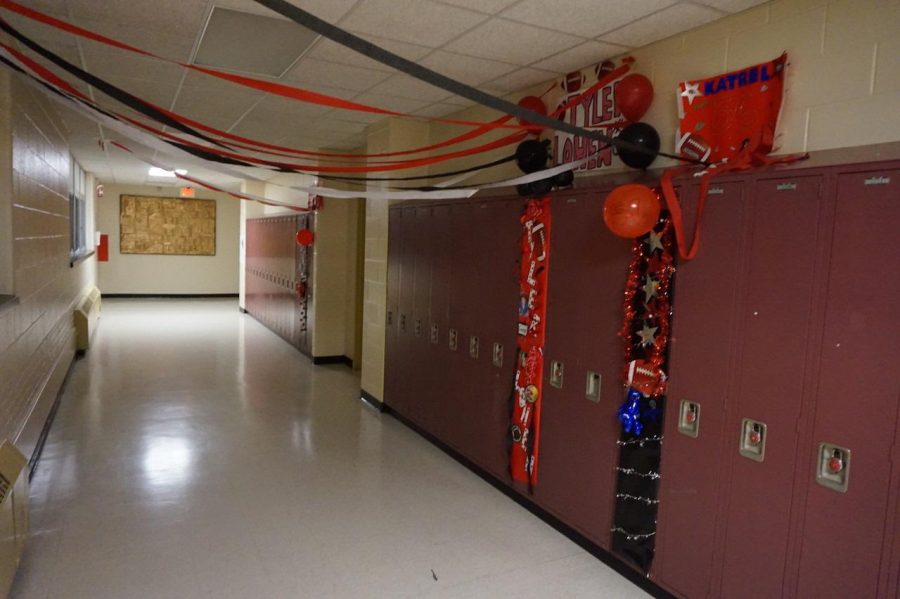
(78, 215)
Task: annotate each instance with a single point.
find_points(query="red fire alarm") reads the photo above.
(186, 192)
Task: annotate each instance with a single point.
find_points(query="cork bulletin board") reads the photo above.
(173, 226)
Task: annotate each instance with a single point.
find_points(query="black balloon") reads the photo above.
(542, 187)
(564, 179)
(524, 189)
(643, 136)
(532, 155)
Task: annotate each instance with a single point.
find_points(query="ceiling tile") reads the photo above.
(520, 79)
(391, 102)
(468, 69)
(281, 107)
(731, 5)
(172, 42)
(439, 109)
(106, 64)
(161, 93)
(331, 11)
(404, 86)
(512, 42)
(312, 73)
(218, 108)
(663, 24)
(587, 18)
(326, 49)
(419, 22)
(486, 6)
(588, 53)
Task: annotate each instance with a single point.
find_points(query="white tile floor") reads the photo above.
(195, 454)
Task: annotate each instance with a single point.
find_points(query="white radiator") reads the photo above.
(87, 315)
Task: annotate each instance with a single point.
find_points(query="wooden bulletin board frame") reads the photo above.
(167, 226)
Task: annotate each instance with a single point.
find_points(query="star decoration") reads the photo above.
(691, 91)
(650, 288)
(648, 335)
(655, 242)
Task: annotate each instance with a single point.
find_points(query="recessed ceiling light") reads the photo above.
(155, 171)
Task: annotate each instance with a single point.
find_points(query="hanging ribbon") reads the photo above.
(528, 387)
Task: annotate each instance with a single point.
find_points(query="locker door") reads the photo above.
(404, 396)
(463, 302)
(846, 532)
(438, 379)
(393, 367)
(578, 450)
(417, 323)
(705, 308)
(777, 312)
(494, 320)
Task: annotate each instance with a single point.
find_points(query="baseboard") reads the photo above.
(48, 422)
(317, 360)
(373, 401)
(168, 295)
(573, 535)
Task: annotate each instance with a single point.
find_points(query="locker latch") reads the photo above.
(592, 386)
(435, 333)
(403, 322)
(473, 347)
(418, 328)
(753, 439)
(497, 355)
(833, 469)
(390, 318)
(556, 374)
(451, 339)
(689, 418)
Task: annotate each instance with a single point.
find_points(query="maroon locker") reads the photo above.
(777, 312)
(438, 378)
(393, 369)
(463, 300)
(578, 450)
(416, 366)
(494, 264)
(405, 393)
(844, 532)
(707, 291)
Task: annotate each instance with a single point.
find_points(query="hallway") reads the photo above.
(195, 454)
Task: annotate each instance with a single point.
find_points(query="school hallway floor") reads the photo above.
(195, 454)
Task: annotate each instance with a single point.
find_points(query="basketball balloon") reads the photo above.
(534, 104)
(305, 237)
(631, 210)
(633, 96)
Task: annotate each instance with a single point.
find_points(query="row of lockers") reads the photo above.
(783, 332)
(278, 286)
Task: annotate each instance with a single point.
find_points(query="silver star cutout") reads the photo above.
(650, 288)
(654, 241)
(691, 91)
(648, 335)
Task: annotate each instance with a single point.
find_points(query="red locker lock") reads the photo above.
(835, 464)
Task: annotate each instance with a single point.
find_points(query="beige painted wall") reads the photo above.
(37, 341)
(842, 90)
(151, 274)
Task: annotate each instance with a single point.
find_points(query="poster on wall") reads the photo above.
(170, 226)
(596, 111)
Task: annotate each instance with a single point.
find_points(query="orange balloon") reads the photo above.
(631, 210)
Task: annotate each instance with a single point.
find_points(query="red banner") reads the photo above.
(526, 418)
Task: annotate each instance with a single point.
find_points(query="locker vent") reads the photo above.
(5, 488)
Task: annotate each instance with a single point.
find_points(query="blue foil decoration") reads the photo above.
(630, 413)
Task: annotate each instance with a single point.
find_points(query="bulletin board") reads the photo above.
(172, 226)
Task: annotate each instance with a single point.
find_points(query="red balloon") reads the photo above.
(631, 210)
(305, 237)
(534, 104)
(633, 96)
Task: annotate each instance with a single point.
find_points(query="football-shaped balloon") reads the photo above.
(693, 146)
(644, 147)
(573, 81)
(604, 68)
(534, 104)
(633, 96)
(631, 210)
(532, 155)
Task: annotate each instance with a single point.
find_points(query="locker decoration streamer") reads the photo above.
(645, 332)
(528, 386)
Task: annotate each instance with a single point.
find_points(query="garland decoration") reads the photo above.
(528, 387)
(645, 331)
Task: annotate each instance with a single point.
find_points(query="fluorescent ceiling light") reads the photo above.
(155, 171)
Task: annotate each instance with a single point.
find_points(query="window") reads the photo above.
(78, 215)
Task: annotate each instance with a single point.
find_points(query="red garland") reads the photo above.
(526, 418)
(656, 312)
